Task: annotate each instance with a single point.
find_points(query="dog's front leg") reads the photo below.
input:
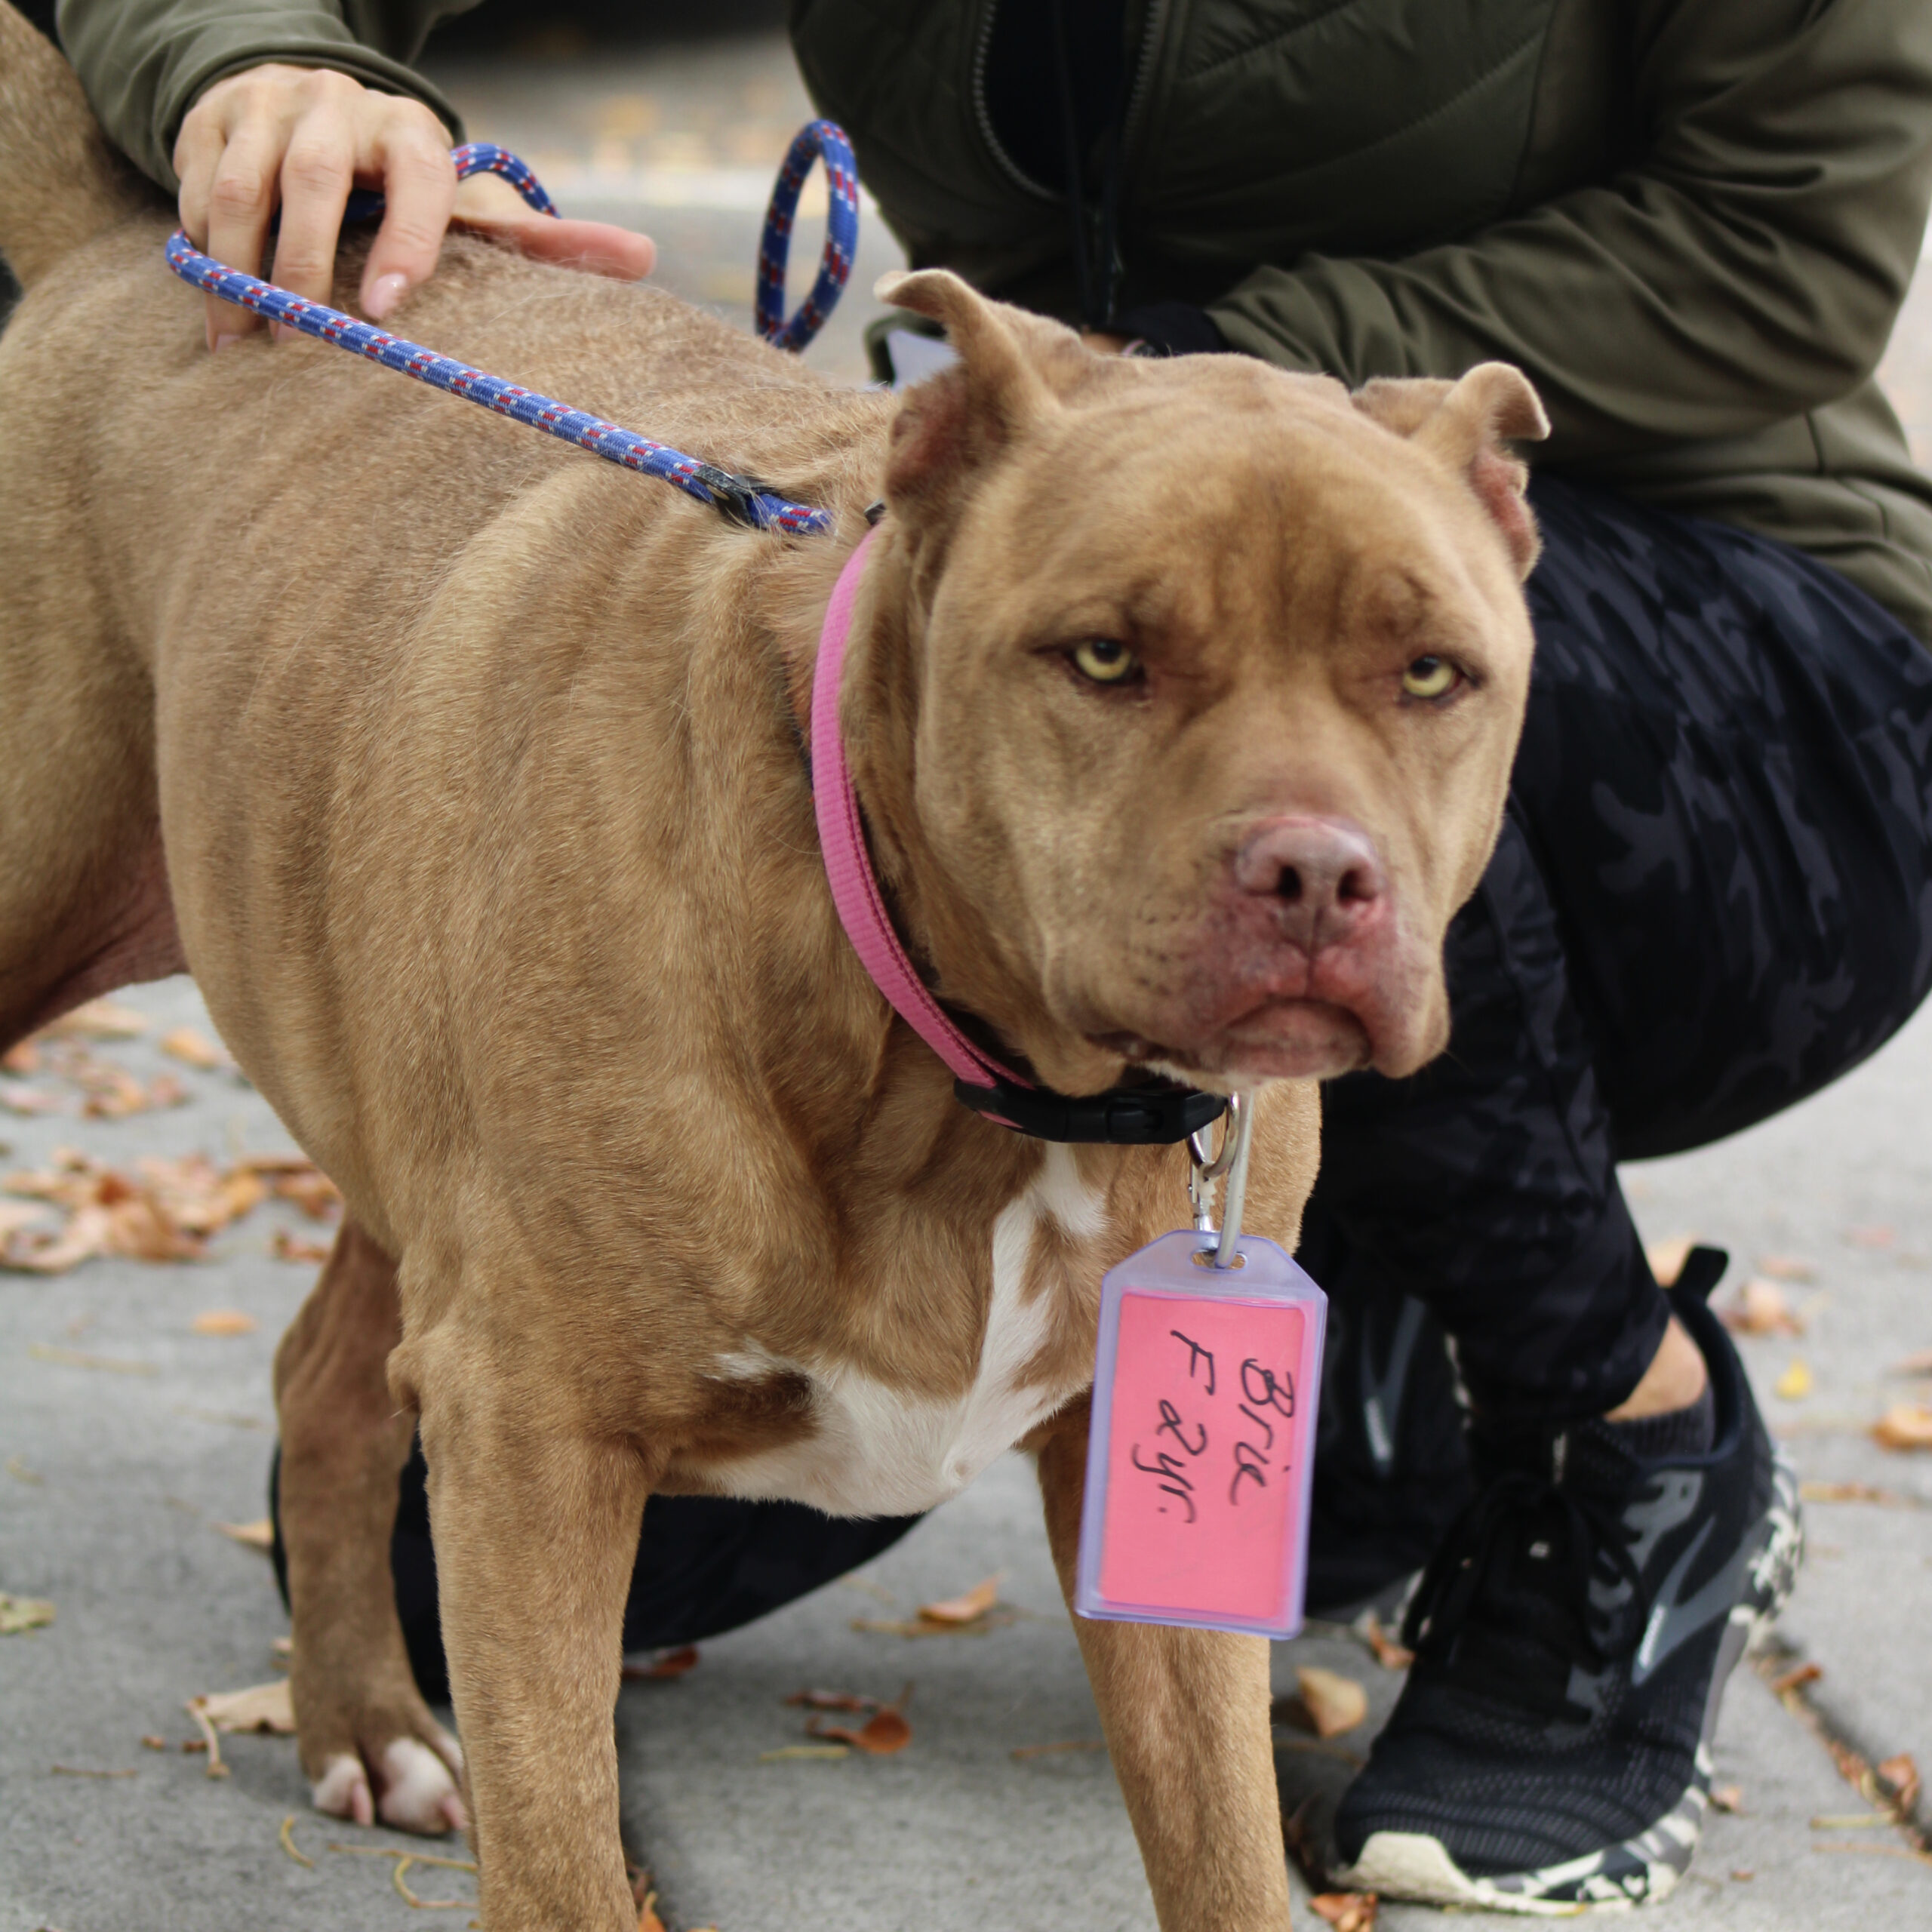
(1185, 1715)
(369, 1745)
(535, 1517)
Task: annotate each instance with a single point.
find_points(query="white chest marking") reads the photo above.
(876, 1450)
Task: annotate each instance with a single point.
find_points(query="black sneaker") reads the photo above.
(1551, 1750)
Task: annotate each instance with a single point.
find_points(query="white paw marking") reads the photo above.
(416, 1786)
(878, 1450)
(336, 1792)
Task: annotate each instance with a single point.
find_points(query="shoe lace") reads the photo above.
(1597, 1539)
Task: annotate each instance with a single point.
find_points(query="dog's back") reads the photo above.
(146, 485)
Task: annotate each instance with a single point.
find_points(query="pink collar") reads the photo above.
(848, 866)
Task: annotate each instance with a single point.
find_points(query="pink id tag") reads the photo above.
(1201, 1443)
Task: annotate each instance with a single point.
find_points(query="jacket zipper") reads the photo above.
(1144, 74)
(1008, 166)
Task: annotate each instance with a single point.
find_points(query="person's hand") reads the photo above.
(300, 138)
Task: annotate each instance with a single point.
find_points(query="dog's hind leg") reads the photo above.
(369, 1746)
(1185, 1715)
(536, 1508)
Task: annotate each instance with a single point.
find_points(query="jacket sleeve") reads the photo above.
(145, 62)
(1747, 265)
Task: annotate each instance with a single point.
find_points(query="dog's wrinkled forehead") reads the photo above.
(1178, 464)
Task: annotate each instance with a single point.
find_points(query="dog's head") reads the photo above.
(1184, 696)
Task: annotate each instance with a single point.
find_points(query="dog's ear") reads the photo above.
(952, 424)
(1466, 425)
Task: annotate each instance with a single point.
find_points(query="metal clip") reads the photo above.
(1231, 1160)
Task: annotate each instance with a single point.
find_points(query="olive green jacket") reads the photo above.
(1691, 221)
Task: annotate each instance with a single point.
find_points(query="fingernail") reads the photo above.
(222, 341)
(384, 292)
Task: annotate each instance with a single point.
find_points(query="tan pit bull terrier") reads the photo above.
(464, 772)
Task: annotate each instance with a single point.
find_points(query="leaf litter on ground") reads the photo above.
(666, 1664)
(1904, 1425)
(1759, 1308)
(1347, 1912)
(21, 1614)
(162, 1210)
(972, 1613)
(192, 1047)
(885, 1731)
(224, 1322)
(1328, 1705)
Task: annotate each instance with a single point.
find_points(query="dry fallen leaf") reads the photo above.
(113, 1093)
(1347, 1912)
(1759, 1308)
(1335, 1703)
(286, 1246)
(165, 1210)
(1787, 1267)
(1667, 1257)
(23, 1056)
(257, 1535)
(19, 1614)
(1899, 1777)
(1794, 1384)
(968, 1608)
(882, 1734)
(1876, 1236)
(261, 1707)
(15, 1215)
(1853, 1492)
(671, 1663)
(28, 1101)
(1023, 1752)
(194, 1048)
(648, 1920)
(224, 1322)
(832, 1700)
(785, 1751)
(1386, 1650)
(1796, 1679)
(99, 1020)
(1920, 1364)
(1904, 1425)
(73, 1358)
(1727, 1798)
(312, 1191)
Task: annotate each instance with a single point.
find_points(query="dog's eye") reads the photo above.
(1430, 676)
(1104, 660)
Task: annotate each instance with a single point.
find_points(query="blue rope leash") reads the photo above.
(738, 498)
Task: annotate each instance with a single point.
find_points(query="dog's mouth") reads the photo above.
(1279, 1039)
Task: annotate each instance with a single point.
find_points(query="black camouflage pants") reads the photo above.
(1713, 896)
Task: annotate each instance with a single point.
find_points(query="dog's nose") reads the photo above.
(1322, 874)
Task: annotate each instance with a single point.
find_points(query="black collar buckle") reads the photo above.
(1152, 1113)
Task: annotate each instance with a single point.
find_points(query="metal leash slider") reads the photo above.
(1203, 1172)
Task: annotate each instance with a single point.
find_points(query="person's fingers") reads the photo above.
(240, 199)
(418, 180)
(597, 246)
(317, 173)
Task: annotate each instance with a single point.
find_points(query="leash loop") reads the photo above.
(740, 499)
(817, 140)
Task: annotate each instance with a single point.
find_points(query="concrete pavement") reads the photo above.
(126, 1437)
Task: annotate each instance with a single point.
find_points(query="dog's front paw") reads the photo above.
(409, 1784)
